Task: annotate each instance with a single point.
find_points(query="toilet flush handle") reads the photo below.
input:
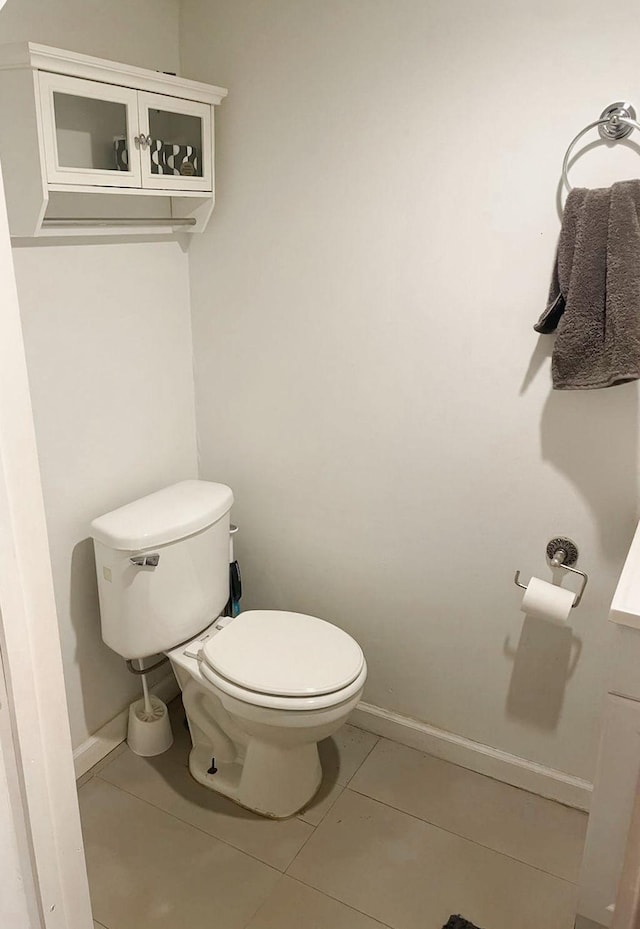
(146, 561)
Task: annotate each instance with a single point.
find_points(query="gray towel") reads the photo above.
(594, 300)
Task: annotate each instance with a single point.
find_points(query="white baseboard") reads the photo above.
(114, 732)
(511, 769)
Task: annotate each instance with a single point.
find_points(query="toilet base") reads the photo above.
(273, 782)
(263, 758)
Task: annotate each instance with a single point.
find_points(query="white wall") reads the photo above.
(108, 344)
(108, 341)
(368, 380)
(138, 32)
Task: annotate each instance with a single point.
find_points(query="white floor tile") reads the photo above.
(340, 756)
(170, 787)
(411, 875)
(315, 812)
(534, 830)
(292, 905)
(148, 870)
(343, 753)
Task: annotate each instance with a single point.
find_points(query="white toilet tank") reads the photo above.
(151, 607)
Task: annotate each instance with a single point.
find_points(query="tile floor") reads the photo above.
(395, 838)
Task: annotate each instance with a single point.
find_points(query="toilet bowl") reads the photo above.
(260, 691)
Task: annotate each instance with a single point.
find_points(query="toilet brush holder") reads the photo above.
(149, 727)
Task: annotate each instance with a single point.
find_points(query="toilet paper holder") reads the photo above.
(562, 553)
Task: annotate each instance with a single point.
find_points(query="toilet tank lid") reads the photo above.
(165, 516)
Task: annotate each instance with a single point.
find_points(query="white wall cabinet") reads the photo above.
(86, 139)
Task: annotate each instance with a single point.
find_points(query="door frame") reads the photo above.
(35, 741)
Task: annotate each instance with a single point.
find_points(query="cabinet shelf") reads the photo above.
(128, 191)
(89, 138)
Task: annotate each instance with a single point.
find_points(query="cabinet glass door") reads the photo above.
(89, 131)
(175, 142)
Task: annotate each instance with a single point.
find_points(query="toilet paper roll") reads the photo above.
(547, 601)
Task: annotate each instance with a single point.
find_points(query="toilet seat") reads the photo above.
(273, 702)
(284, 660)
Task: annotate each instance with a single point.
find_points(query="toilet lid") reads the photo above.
(288, 654)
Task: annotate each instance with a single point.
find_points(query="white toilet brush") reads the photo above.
(149, 724)
(149, 711)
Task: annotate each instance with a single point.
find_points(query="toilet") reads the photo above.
(261, 689)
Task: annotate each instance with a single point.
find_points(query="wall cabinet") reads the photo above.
(87, 139)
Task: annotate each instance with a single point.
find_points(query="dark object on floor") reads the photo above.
(458, 922)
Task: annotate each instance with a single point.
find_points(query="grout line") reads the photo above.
(312, 833)
(314, 827)
(465, 838)
(261, 904)
(378, 738)
(349, 906)
(300, 816)
(264, 902)
(185, 822)
(490, 777)
(343, 787)
(83, 779)
(477, 757)
(104, 762)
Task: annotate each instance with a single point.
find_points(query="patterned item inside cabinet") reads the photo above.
(86, 128)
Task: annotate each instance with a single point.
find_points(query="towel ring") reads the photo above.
(615, 123)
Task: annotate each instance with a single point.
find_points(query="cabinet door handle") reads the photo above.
(142, 140)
